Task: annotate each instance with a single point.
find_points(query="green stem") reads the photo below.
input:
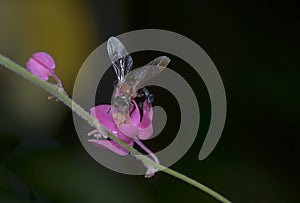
(61, 95)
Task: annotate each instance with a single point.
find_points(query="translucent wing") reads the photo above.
(137, 78)
(122, 61)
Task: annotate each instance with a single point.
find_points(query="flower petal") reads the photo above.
(45, 59)
(135, 115)
(147, 115)
(146, 127)
(111, 145)
(38, 69)
(104, 116)
(129, 130)
(145, 133)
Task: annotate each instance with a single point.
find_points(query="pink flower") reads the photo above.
(138, 129)
(42, 65)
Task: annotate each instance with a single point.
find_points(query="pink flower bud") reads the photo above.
(41, 65)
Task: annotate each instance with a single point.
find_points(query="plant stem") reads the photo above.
(61, 95)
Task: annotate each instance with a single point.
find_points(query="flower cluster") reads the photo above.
(42, 65)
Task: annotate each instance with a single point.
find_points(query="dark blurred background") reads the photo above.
(255, 46)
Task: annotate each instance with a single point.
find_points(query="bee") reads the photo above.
(130, 84)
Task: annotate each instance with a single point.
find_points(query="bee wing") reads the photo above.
(121, 59)
(137, 78)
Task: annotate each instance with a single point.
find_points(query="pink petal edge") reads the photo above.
(111, 145)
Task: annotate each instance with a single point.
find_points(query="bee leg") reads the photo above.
(143, 92)
(150, 98)
(116, 83)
